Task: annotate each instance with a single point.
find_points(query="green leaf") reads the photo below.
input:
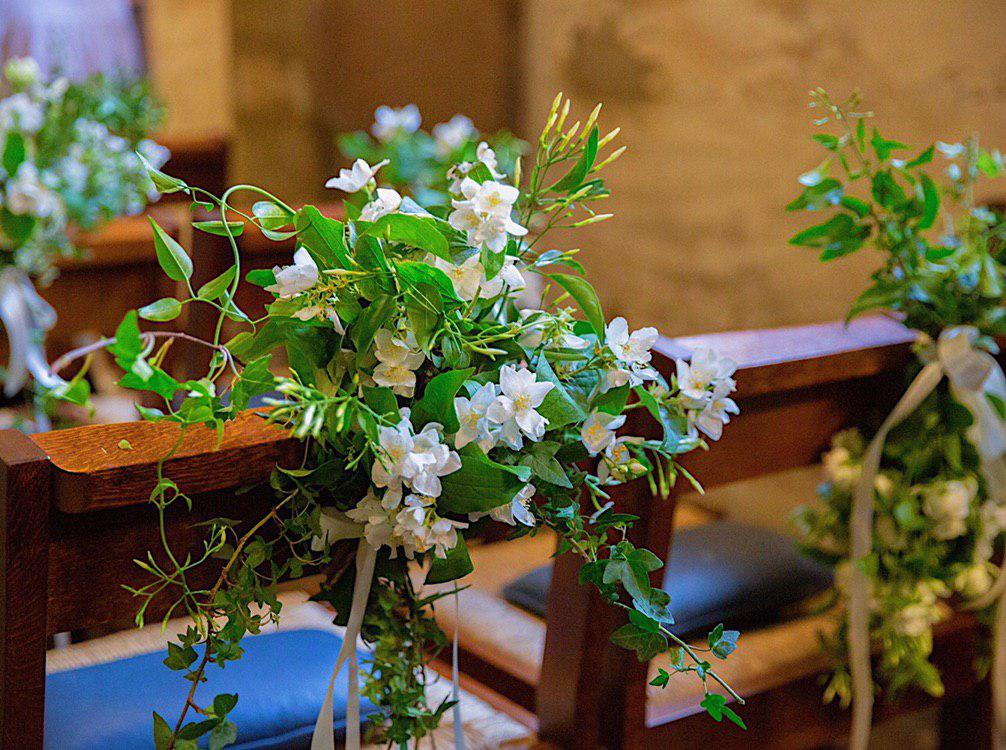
(886, 191)
(859, 207)
(271, 216)
(826, 193)
(656, 606)
(196, 729)
(261, 277)
(414, 273)
(663, 677)
(173, 259)
(876, 297)
(924, 158)
(164, 183)
(840, 235)
(558, 408)
(371, 319)
(457, 564)
(581, 291)
(215, 287)
(219, 228)
(162, 733)
(716, 706)
(256, 379)
(884, 147)
(829, 141)
(14, 152)
(575, 177)
(646, 644)
(479, 485)
(633, 571)
(381, 400)
(412, 230)
(437, 403)
(547, 468)
(224, 703)
(162, 310)
(998, 404)
(179, 657)
(224, 734)
(930, 202)
(323, 237)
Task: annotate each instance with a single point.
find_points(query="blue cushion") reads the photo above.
(280, 681)
(722, 571)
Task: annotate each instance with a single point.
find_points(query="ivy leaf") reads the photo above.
(437, 403)
(457, 564)
(581, 291)
(179, 657)
(632, 570)
(479, 485)
(662, 678)
(171, 256)
(716, 706)
(162, 310)
(656, 606)
(224, 734)
(644, 643)
(215, 287)
(256, 379)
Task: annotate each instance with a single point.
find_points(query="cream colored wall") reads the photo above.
(189, 53)
(711, 96)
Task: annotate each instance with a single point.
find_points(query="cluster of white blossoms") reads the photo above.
(408, 469)
(300, 278)
(483, 155)
(506, 413)
(483, 213)
(469, 277)
(550, 331)
(706, 383)
(631, 352)
(398, 356)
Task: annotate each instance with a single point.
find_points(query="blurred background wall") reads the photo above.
(710, 95)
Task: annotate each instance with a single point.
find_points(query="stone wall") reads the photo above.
(711, 96)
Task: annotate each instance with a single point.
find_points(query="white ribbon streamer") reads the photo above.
(972, 374)
(459, 727)
(27, 317)
(324, 730)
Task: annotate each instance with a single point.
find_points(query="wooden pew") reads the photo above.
(73, 509)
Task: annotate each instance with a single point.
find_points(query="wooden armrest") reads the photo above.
(783, 359)
(92, 472)
(125, 241)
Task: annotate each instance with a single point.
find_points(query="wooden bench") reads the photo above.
(796, 388)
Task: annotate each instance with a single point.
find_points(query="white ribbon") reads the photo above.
(459, 727)
(324, 730)
(973, 373)
(27, 317)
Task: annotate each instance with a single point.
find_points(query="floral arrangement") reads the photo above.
(428, 404)
(69, 160)
(937, 503)
(428, 166)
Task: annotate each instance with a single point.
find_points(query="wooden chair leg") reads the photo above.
(966, 721)
(24, 559)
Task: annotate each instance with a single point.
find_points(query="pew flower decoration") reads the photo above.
(429, 405)
(935, 483)
(68, 161)
(429, 166)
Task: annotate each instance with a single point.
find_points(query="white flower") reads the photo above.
(292, 280)
(716, 412)
(948, 505)
(398, 356)
(884, 486)
(377, 519)
(467, 277)
(418, 528)
(484, 214)
(387, 202)
(318, 311)
(430, 460)
(23, 72)
(598, 431)
(509, 278)
(452, 135)
(514, 410)
(516, 511)
(355, 178)
(632, 354)
(706, 373)
(389, 122)
(27, 195)
(915, 620)
(487, 156)
(617, 464)
(950, 150)
(415, 461)
(389, 468)
(457, 173)
(975, 580)
(474, 426)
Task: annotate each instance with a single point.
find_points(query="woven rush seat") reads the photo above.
(513, 639)
(100, 693)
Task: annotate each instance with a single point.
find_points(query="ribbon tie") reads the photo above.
(974, 374)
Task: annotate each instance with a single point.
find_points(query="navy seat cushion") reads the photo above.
(722, 571)
(280, 681)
